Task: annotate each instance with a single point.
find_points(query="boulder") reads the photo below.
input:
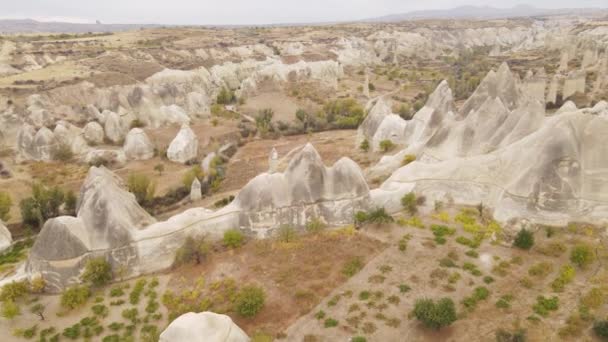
(203, 327)
(5, 238)
(184, 146)
(137, 145)
(93, 133)
(44, 142)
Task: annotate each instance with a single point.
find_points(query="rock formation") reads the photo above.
(137, 145)
(273, 161)
(503, 151)
(5, 238)
(110, 223)
(184, 146)
(203, 327)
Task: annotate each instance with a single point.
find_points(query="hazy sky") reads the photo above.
(242, 11)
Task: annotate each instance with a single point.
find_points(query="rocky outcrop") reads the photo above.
(137, 145)
(6, 239)
(184, 146)
(203, 327)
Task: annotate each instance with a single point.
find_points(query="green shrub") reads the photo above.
(130, 314)
(524, 239)
(582, 255)
(410, 203)
(435, 315)
(364, 146)
(97, 271)
(14, 290)
(75, 296)
(135, 294)
(600, 328)
(100, 310)
(10, 309)
(233, 238)
(226, 96)
(137, 123)
(505, 336)
(344, 113)
(376, 216)
(364, 295)
(358, 339)
(62, 152)
(330, 323)
(142, 187)
(407, 159)
(249, 301)
(44, 204)
(386, 145)
(5, 206)
(263, 121)
(541, 269)
(544, 305)
(352, 267)
(566, 275)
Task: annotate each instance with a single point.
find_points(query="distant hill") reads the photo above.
(485, 12)
(11, 26)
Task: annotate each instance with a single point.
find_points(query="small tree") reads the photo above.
(249, 301)
(524, 239)
(233, 238)
(141, 186)
(364, 145)
(70, 203)
(286, 233)
(582, 255)
(37, 284)
(410, 203)
(194, 249)
(38, 309)
(5, 206)
(10, 310)
(160, 168)
(435, 315)
(75, 296)
(97, 271)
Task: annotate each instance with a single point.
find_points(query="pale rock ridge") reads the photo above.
(111, 224)
(184, 146)
(203, 327)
